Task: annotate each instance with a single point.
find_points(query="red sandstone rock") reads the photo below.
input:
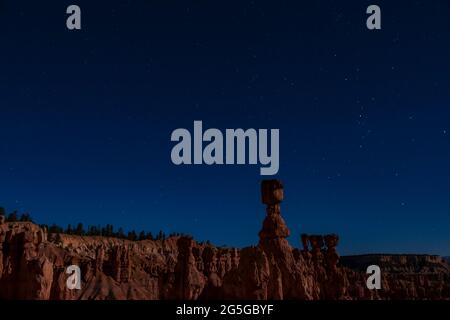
(32, 266)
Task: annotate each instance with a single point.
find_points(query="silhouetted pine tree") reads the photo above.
(132, 235)
(161, 236)
(25, 217)
(79, 230)
(12, 217)
(120, 234)
(109, 230)
(93, 231)
(55, 229)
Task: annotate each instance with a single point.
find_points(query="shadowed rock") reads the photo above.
(32, 266)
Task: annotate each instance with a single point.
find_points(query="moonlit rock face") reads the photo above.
(331, 240)
(317, 242)
(272, 192)
(138, 270)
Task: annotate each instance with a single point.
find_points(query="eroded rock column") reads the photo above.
(274, 226)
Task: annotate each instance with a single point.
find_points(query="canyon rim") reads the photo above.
(33, 266)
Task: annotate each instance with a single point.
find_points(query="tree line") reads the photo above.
(107, 231)
(15, 216)
(79, 230)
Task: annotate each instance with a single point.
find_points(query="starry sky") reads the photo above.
(364, 117)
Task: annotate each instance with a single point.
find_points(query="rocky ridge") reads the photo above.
(33, 266)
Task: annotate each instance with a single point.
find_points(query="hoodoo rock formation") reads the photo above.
(33, 266)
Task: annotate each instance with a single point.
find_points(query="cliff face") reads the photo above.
(404, 276)
(33, 266)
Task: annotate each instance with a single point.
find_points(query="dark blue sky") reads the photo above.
(364, 117)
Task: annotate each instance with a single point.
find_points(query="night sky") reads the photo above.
(364, 117)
